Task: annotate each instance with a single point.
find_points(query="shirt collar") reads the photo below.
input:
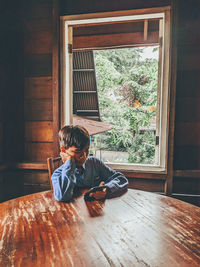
(83, 166)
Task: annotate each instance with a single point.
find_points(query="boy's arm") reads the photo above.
(115, 181)
(116, 184)
(64, 180)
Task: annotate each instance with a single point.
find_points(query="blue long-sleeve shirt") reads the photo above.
(67, 176)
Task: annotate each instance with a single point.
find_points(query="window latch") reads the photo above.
(70, 48)
(157, 140)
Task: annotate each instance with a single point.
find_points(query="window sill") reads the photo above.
(137, 168)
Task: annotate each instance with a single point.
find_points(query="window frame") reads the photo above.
(67, 23)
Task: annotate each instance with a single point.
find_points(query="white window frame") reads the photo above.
(67, 23)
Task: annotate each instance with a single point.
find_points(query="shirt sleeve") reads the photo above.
(64, 180)
(115, 181)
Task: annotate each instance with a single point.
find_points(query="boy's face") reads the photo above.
(78, 155)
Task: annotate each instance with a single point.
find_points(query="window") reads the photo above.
(155, 33)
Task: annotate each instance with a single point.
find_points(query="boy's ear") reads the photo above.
(62, 149)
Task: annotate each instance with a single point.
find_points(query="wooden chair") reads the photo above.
(52, 164)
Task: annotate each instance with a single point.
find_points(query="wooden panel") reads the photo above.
(23, 183)
(187, 157)
(38, 42)
(112, 28)
(146, 185)
(192, 199)
(1, 153)
(13, 136)
(38, 151)
(113, 40)
(11, 83)
(30, 165)
(187, 149)
(38, 65)
(188, 58)
(36, 177)
(2, 114)
(38, 87)
(56, 74)
(38, 9)
(186, 185)
(38, 25)
(189, 20)
(1, 187)
(38, 110)
(1, 132)
(35, 188)
(188, 10)
(86, 6)
(187, 133)
(39, 131)
(189, 32)
(13, 184)
(3, 167)
(187, 173)
(188, 109)
(188, 83)
(1, 141)
(135, 174)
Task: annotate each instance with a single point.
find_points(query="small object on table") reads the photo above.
(87, 196)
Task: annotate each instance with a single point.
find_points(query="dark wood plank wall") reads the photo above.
(187, 121)
(30, 75)
(29, 112)
(38, 108)
(118, 34)
(41, 120)
(11, 89)
(11, 83)
(89, 6)
(38, 101)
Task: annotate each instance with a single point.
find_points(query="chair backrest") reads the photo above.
(52, 164)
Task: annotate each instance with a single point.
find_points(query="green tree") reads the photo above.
(127, 88)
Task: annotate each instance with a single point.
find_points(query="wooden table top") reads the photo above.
(136, 229)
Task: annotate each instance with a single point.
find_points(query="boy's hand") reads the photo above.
(99, 194)
(64, 156)
(67, 155)
(74, 154)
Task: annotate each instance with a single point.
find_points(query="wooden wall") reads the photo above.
(29, 95)
(88, 6)
(187, 120)
(41, 96)
(117, 34)
(29, 119)
(11, 89)
(38, 105)
(11, 83)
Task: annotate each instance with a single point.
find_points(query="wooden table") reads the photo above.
(136, 229)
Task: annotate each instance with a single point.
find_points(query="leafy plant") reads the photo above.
(142, 149)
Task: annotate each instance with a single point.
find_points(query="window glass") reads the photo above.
(127, 83)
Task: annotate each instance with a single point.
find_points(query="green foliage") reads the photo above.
(107, 75)
(123, 59)
(142, 149)
(127, 90)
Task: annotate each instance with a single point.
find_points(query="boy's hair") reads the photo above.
(76, 136)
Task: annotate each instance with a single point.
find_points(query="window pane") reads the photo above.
(127, 81)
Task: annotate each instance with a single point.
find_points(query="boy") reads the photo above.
(82, 171)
